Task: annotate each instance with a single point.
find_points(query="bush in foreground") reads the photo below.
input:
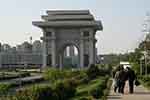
(36, 93)
(4, 88)
(65, 89)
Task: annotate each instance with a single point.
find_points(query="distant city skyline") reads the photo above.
(122, 21)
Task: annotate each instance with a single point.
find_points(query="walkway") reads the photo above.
(140, 93)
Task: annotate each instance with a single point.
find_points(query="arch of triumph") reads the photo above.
(62, 28)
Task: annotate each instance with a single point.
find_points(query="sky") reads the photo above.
(122, 20)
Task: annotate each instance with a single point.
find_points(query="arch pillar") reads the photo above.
(53, 49)
(61, 61)
(44, 52)
(81, 51)
(91, 48)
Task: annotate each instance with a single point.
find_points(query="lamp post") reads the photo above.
(141, 65)
(145, 55)
(145, 61)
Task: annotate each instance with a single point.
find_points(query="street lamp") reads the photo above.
(145, 60)
(141, 65)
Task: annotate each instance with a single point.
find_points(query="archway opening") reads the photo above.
(71, 57)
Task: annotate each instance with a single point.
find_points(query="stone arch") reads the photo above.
(61, 53)
(62, 27)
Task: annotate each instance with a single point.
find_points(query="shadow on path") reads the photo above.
(142, 93)
(114, 97)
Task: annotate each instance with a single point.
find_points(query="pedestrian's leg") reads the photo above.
(131, 86)
(122, 87)
(119, 87)
(115, 88)
(115, 85)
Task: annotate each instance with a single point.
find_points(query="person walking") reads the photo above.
(117, 81)
(131, 78)
(115, 75)
(123, 76)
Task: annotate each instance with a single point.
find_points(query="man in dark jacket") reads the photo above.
(131, 78)
(123, 76)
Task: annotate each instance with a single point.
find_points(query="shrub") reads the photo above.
(4, 88)
(65, 89)
(145, 78)
(25, 74)
(56, 74)
(97, 92)
(6, 76)
(84, 80)
(52, 74)
(36, 93)
(74, 74)
(93, 71)
(86, 98)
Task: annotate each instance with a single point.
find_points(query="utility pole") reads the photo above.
(141, 69)
(145, 55)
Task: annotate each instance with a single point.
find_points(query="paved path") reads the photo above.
(140, 93)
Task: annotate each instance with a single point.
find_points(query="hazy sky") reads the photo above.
(122, 20)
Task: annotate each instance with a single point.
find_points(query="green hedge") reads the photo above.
(35, 93)
(62, 90)
(7, 76)
(65, 89)
(95, 71)
(94, 88)
(145, 80)
(4, 88)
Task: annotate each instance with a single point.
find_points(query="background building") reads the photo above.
(23, 55)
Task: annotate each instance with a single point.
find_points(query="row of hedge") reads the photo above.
(6, 76)
(62, 90)
(83, 76)
(8, 88)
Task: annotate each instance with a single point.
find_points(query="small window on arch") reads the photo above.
(86, 33)
(48, 34)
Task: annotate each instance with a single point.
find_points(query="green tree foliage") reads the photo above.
(136, 55)
(136, 68)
